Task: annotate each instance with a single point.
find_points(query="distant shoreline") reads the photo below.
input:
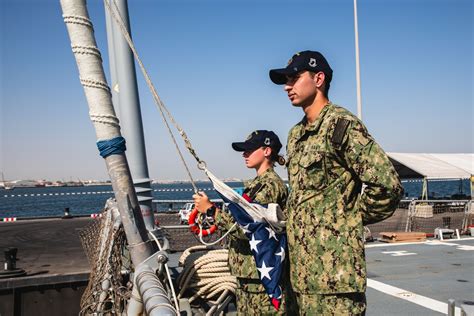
(33, 184)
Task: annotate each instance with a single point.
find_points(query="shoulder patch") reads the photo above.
(339, 131)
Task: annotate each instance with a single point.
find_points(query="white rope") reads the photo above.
(206, 274)
(105, 119)
(77, 19)
(218, 239)
(91, 50)
(91, 83)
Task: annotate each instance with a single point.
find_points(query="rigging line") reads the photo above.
(118, 18)
(201, 164)
(167, 273)
(218, 239)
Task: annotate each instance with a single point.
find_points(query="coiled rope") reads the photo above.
(206, 274)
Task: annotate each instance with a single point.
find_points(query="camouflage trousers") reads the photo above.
(331, 304)
(253, 300)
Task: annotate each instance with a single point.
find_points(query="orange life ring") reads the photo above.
(195, 226)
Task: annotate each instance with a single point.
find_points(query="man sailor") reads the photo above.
(340, 179)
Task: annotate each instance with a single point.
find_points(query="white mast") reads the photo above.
(356, 31)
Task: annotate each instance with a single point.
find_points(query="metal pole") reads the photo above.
(125, 86)
(424, 192)
(472, 187)
(356, 31)
(153, 293)
(106, 125)
(112, 66)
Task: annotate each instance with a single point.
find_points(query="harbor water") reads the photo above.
(51, 201)
(83, 200)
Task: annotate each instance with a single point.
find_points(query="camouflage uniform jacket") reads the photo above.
(325, 209)
(265, 188)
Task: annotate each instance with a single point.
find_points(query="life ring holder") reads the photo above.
(197, 228)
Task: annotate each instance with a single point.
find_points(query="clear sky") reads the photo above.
(210, 59)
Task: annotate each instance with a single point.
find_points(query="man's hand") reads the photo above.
(201, 202)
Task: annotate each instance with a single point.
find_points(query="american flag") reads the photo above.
(267, 238)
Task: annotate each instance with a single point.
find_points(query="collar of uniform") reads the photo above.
(315, 125)
(303, 125)
(254, 181)
(264, 174)
(300, 128)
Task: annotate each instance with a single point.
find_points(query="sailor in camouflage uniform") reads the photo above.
(260, 151)
(331, 160)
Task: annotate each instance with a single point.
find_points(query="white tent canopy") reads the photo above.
(433, 166)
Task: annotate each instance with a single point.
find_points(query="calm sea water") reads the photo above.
(51, 201)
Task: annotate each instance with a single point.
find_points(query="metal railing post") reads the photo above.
(411, 213)
(451, 307)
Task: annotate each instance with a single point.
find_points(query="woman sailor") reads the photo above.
(261, 152)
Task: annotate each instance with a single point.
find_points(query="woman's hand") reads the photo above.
(201, 202)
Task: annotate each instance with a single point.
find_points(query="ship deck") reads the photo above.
(419, 278)
(403, 278)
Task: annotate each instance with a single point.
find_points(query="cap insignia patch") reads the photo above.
(251, 135)
(312, 62)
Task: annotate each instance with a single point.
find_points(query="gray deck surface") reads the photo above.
(436, 270)
(46, 246)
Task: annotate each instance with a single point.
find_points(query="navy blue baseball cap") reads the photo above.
(306, 60)
(257, 139)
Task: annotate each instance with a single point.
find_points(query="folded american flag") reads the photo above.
(266, 236)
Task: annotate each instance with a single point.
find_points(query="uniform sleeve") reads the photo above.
(273, 192)
(267, 194)
(225, 221)
(382, 189)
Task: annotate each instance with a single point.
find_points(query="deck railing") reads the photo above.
(410, 216)
(427, 215)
